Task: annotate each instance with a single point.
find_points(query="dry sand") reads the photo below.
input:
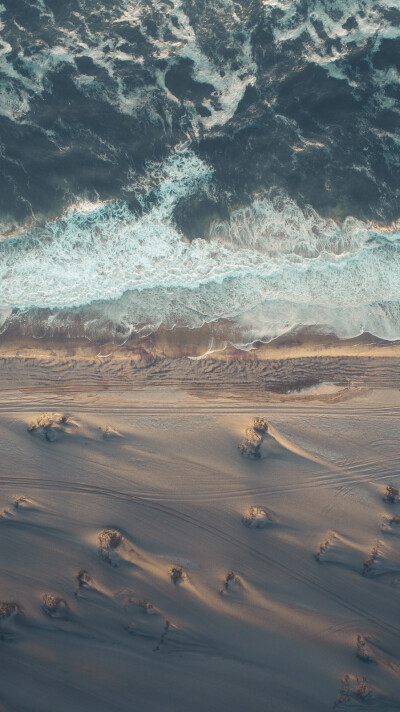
(147, 565)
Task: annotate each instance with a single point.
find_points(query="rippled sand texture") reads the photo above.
(148, 564)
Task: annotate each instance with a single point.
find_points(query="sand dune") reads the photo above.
(145, 563)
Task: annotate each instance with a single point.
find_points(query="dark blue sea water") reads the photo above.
(185, 162)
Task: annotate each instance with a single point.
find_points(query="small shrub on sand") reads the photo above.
(251, 445)
(21, 502)
(388, 522)
(110, 539)
(325, 545)
(109, 433)
(145, 605)
(176, 574)
(48, 425)
(362, 650)
(256, 518)
(260, 425)
(354, 689)
(8, 609)
(371, 560)
(84, 578)
(391, 495)
(231, 580)
(254, 436)
(54, 606)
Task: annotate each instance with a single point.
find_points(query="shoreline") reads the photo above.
(272, 371)
(195, 345)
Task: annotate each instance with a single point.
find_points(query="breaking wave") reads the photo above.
(175, 163)
(271, 268)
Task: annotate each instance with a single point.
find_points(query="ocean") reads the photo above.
(178, 163)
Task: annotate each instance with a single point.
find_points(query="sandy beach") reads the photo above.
(199, 356)
(161, 550)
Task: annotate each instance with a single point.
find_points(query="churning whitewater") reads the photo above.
(270, 268)
(176, 163)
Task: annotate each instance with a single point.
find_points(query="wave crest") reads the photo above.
(272, 268)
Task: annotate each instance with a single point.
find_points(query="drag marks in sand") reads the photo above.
(96, 560)
(382, 563)
(381, 560)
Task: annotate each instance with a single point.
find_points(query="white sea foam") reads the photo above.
(229, 87)
(273, 268)
(175, 39)
(299, 20)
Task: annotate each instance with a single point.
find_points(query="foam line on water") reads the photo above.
(271, 268)
(299, 20)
